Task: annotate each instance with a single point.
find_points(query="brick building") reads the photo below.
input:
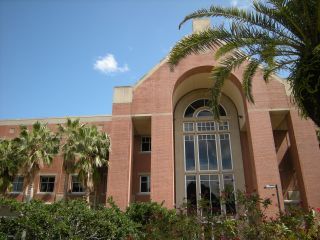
(167, 147)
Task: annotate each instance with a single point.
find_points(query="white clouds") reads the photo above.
(108, 64)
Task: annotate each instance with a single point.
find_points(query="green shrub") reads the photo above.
(67, 220)
(76, 220)
(157, 222)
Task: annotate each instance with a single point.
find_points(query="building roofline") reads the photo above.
(150, 72)
(55, 120)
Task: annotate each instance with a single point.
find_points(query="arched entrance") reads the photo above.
(208, 157)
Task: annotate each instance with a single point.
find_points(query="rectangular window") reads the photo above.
(205, 126)
(207, 152)
(145, 144)
(17, 184)
(47, 183)
(188, 127)
(210, 192)
(189, 157)
(225, 151)
(145, 184)
(191, 193)
(230, 200)
(224, 126)
(76, 185)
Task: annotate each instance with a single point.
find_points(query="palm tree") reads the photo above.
(69, 133)
(10, 162)
(276, 35)
(93, 151)
(86, 150)
(38, 148)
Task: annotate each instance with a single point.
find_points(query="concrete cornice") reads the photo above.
(56, 120)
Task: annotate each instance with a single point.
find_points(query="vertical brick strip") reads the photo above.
(119, 172)
(162, 162)
(265, 158)
(306, 155)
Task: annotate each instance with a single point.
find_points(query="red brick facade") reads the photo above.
(277, 146)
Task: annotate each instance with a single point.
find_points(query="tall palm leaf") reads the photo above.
(38, 148)
(275, 35)
(86, 150)
(93, 153)
(69, 133)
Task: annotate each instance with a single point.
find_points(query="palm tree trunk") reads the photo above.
(88, 196)
(25, 189)
(66, 183)
(88, 187)
(26, 197)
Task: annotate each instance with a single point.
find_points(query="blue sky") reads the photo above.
(63, 57)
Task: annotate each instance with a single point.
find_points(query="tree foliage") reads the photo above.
(276, 35)
(37, 148)
(85, 150)
(10, 163)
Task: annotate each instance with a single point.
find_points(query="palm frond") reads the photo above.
(248, 74)
(197, 43)
(218, 74)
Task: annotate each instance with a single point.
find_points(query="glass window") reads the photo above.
(207, 152)
(189, 153)
(224, 126)
(145, 144)
(191, 192)
(230, 201)
(210, 192)
(47, 183)
(205, 113)
(188, 127)
(198, 104)
(208, 180)
(222, 112)
(205, 126)
(76, 185)
(189, 112)
(145, 184)
(17, 184)
(225, 152)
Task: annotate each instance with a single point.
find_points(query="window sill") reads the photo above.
(45, 193)
(294, 201)
(77, 193)
(15, 193)
(145, 152)
(143, 193)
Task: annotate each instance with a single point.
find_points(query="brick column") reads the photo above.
(306, 156)
(264, 158)
(162, 160)
(120, 161)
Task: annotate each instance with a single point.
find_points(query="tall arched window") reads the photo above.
(208, 157)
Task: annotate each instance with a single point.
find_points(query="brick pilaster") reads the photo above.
(306, 156)
(264, 158)
(162, 160)
(120, 163)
